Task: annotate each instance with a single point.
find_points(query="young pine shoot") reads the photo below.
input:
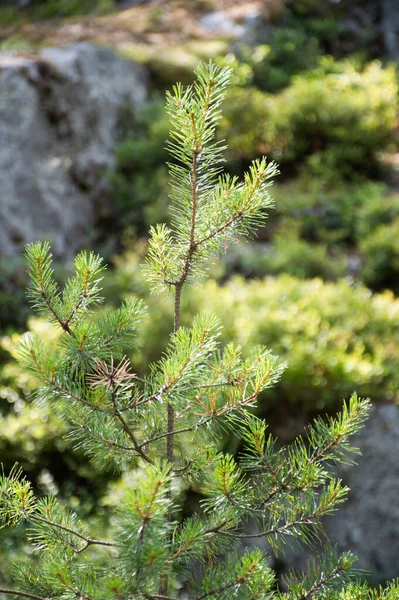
(165, 427)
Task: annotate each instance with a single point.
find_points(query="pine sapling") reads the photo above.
(165, 427)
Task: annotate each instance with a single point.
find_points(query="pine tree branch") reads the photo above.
(157, 597)
(281, 490)
(284, 484)
(322, 581)
(64, 324)
(107, 442)
(238, 581)
(51, 381)
(87, 540)
(309, 519)
(212, 532)
(182, 470)
(81, 299)
(22, 594)
(67, 392)
(163, 587)
(78, 594)
(237, 217)
(224, 410)
(166, 434)
(220, 229)
(170, 409)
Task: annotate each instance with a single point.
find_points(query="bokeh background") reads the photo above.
(82, 164)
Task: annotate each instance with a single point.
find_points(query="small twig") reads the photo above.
(81, 299)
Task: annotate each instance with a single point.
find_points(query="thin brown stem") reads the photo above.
(72, 588)
(237, 217)
(165, 435)
(67, 392)
(204, 421)
(130, 433)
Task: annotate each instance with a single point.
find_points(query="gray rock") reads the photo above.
(390, 27)
(220, 23)
(61, 114)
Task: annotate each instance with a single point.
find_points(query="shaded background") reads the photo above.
(82, 164)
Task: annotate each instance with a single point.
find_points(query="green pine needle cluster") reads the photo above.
(165, 427)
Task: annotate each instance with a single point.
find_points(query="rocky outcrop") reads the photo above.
(61, 114)
(390, 28)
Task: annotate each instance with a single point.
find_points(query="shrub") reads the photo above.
(380, 252)
(289, 51)
(334, 213)
(335, 337)
(285, 253)
(248, 124)
(341, 118)
(47, 9)
(379, 207)
(13, 306)
(334, 118)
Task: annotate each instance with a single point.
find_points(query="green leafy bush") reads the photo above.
(289, 51)
(288, 253)
(8, 15)
(342, 213)
(335, 337)
(380, 253)
(379, 207)
(334, 119)
(68, 8)
(342, 119)
(320, 231)
(249, 124)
